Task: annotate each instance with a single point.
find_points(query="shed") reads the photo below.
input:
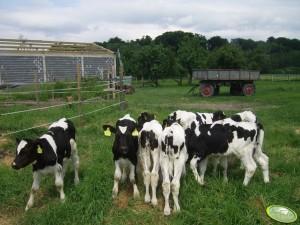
(25, 61)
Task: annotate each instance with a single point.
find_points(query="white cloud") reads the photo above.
(99, 20)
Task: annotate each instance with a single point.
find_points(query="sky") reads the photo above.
(98, 20)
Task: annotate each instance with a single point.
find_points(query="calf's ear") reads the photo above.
(135, 132)
(165, 123)
(18, 141)
(108, 129)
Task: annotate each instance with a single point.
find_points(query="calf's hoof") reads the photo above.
(136, 194)
(62, 198)
(245, 184)
(154, 201)
(147, 198)
(76, 181)
(201, 182)
(167, 211)
(114, 193)
(176, 209)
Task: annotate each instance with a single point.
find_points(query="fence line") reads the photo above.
(19, 81)
(73, 117)
(52, 90)
(280, 77)
(97, 110)
(52, 106)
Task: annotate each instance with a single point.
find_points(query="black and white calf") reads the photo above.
(209, 118)
(173, 157)
(185, 119)
(225, 137)
(149, 152)
(125, 149)
(48, 154)
(245, 116)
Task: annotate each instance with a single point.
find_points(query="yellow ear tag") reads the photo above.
(39, 150)
(135, 133)
(107, 132)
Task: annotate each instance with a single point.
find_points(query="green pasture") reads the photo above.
(277, 104)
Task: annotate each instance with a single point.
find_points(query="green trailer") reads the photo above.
(241, 82)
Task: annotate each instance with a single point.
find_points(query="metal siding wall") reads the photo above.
(21, 69)
(98, 67)
(61, 67)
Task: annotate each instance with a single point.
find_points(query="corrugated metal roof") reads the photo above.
(22, 45)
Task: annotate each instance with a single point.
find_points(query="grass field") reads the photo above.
(277, 104)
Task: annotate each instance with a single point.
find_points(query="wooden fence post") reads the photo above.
(121, 77)
(122, 94)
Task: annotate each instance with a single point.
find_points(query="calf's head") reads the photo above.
(26, 153)
(172, 118)
(126, 135)
(218, 115)
(143, 118)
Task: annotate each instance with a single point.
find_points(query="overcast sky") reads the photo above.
(98, 20)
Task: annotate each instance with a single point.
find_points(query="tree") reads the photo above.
(216, 42)
(152, 62)
(172, 39)
(145, 40)
(113, 43)
(227, 57)
(259, 60)
(191, 55)
(244, 44)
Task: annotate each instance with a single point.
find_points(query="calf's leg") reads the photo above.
(34, 188)
(193, 166)
(132, 174)
(59, 181)
(146, 172)
(215, 161)
(75, 160)
(179, 165)
(203, 166)
(224, 164)
(117, 177)
(250, 166)
(154, 175)
(263, 161)
(164, 164)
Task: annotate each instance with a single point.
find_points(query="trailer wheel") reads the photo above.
(248, 89)
(207, 90)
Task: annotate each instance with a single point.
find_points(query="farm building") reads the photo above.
(27, 61)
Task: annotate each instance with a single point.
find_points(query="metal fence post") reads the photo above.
(37, 89)
(78, 90)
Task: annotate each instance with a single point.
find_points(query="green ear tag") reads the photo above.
(39, 150)
(135, 133)
(107, 132)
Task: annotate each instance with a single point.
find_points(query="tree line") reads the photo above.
(175, 54)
